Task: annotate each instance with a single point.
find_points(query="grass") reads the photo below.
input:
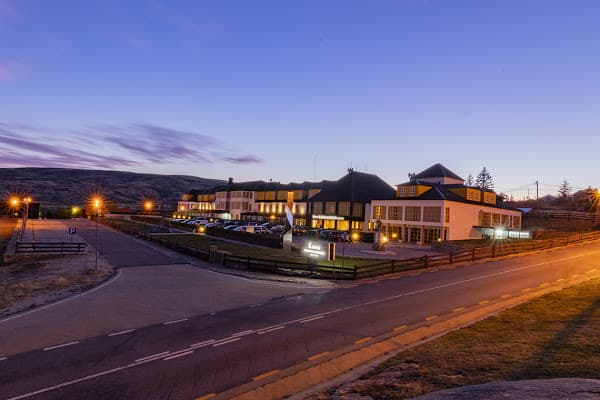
(555, 336)
(6, 230)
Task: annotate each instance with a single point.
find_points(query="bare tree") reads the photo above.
(470, 181)
(564, 189)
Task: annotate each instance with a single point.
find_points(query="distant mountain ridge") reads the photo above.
(58, 187)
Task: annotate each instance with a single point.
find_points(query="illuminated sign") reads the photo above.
(314, 250)
(330, 217)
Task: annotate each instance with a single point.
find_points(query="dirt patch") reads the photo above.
(555, 336)
(29, 284)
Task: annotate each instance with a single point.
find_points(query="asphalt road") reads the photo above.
(214, 352)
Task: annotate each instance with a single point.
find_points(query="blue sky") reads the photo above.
(255, 89)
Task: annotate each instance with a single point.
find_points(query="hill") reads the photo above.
(58, 187)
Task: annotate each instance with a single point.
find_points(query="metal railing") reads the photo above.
(50, 248)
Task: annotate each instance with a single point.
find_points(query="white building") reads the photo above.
(436, 205)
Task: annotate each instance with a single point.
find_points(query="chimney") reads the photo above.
(230, 181)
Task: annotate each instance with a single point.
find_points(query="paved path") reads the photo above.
(138, 296)
(187, 358)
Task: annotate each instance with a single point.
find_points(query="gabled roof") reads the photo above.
(437, 171)
(357, 187)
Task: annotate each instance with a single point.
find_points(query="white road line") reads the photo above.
(108, 282)
(324, 291)
(245, 333)
(3, 358)
(121, 333)
(223, 343)
(61, 345)
(312, 319)
(271, 330)
(187, 353)
(212, 314)
(202, 344)
(152, 357)
(256, 305)
(175, 322)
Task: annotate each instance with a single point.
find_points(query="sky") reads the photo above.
(260, 89)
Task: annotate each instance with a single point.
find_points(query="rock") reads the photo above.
(542, 389)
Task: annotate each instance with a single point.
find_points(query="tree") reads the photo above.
(470, 181)
(564, 189)
(484, 180)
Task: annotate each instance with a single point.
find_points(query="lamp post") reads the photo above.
(15, 204)
(148, 206)
(97, 207)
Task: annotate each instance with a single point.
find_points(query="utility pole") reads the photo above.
(537, 193)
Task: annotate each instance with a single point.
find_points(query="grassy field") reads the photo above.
(6, 231)
(555, 336)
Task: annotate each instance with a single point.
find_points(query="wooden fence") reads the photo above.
(51, 248)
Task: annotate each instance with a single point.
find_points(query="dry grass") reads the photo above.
(7, 226)
(555, 336)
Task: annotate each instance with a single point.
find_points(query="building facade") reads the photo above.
(436, 205)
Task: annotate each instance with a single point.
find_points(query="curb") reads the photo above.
(304, 376)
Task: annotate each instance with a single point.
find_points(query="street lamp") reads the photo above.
(148, 206)
(97, 203)
(15, 203)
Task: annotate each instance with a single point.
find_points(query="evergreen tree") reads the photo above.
(470, 181)
(564, 189)
(484, 180)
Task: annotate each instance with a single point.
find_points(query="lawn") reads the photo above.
(7, 226)
(555, 336)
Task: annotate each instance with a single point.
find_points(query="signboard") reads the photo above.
(72, 230)
(316, 250)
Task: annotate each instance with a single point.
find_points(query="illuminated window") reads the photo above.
(380, 212)
(395, 213)
(432, 214)
(330, 208)
(447, 215)
(412, 213)
(344, 208)
(412, 191)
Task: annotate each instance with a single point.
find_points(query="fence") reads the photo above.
(380, 267)
(53, 248)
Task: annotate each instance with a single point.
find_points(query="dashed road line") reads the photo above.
(526, 290)
(431, 318)
(202, 344)
(121, 333)
(265, 375)
(152, 357)
(3, 358)
(317, 356)
(459, 309)
(363, 340)
(224, 342)
(482, 302)
(187, 353)
(256, 305)
(61, 345)
(399, 328)
(505, 296)
(212, 314)
(177, 321)
(312, 319)
(277, 328)
(244, 333)
(324, 291)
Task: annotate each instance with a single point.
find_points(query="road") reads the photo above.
(214, 352)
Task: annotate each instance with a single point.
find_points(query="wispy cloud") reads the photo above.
(112, 146)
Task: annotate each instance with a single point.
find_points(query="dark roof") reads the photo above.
(443, 192)
(356, 187)
(437, 171)
(260, 186)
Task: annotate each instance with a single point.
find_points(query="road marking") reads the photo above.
(121, 333)
(61, 345)
(3, 358)
(324, 291)
(458, 309)
(277, 328)
(312, 319)
(187, 353)
(207, 396)
(399, 328)
(212, 314)
(202, 344)
(223, 343)
(177, 321)
(317, 356)
(265, 375)
(256, 305)
(575, 276)
(431, 318)
(526, 290)
(363, 340)
(152, 357)
(505, 296)
(245, 333)
(483, 302)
